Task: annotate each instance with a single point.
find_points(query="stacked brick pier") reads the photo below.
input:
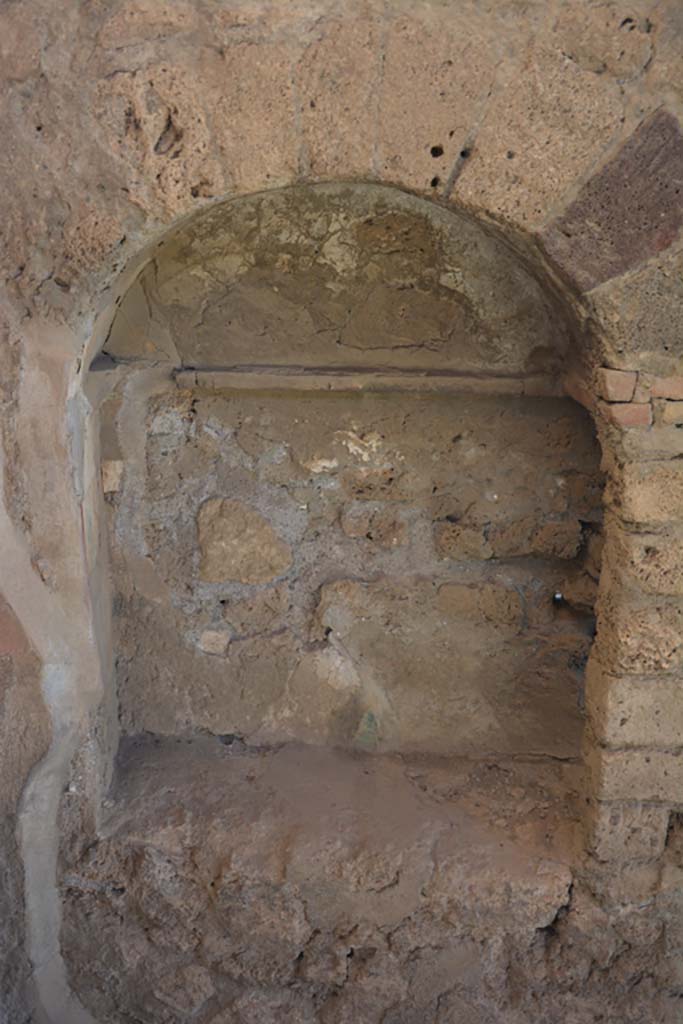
(634, 733)
(617, 243)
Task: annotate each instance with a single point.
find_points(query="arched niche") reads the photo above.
(347, 502)
(353, 540)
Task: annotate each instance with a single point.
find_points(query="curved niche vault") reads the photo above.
(345, 493)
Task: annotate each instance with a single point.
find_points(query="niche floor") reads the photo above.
(303, 884)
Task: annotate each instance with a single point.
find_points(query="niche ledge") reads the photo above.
(315, 879)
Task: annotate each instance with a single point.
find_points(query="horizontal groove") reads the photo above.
(296, 378)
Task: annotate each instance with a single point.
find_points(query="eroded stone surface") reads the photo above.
(384, 569)
(547, 115)
(640, 312)
(237, 884)
(237, 543)
(309, 877)
(119, 118)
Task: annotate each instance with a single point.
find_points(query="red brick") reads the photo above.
(629, 210)
(616, 385)
(667, 387)
(627, 414)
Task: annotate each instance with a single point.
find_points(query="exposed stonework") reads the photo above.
(330, 887)
(238, 544)
(371, 511)
(309, 472)
(528, 122)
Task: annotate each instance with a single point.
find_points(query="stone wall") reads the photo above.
(376, 569)
(558, 122)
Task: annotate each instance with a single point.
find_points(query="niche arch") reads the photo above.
(344, 532)
(271, 599)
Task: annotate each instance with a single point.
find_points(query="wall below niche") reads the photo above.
(366, 570)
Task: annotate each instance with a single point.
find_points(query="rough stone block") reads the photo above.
(648, 492)
(558, 540)
(626, 831)
(627, 414)
(453, 70)
(380, 526)
(640, 316)
(616, 385)
(238, 543)
(654, 776)
(628, 211)
(453, 540)
(631, 885)
(671, 412)
(662, 441)
(255, 130)
(635, 710)
(214, 641)
(637, 638)
(531, 145)
(341, 73)
(601, 40)
(653, 560)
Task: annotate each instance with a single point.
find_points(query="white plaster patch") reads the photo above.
(339, 255)
(336, 669)
(364, 448)
(320, 465)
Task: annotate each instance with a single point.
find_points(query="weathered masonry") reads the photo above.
(341, 620)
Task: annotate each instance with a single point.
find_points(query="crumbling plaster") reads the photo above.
(122, 119)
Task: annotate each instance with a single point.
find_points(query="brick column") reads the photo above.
(634, 683)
